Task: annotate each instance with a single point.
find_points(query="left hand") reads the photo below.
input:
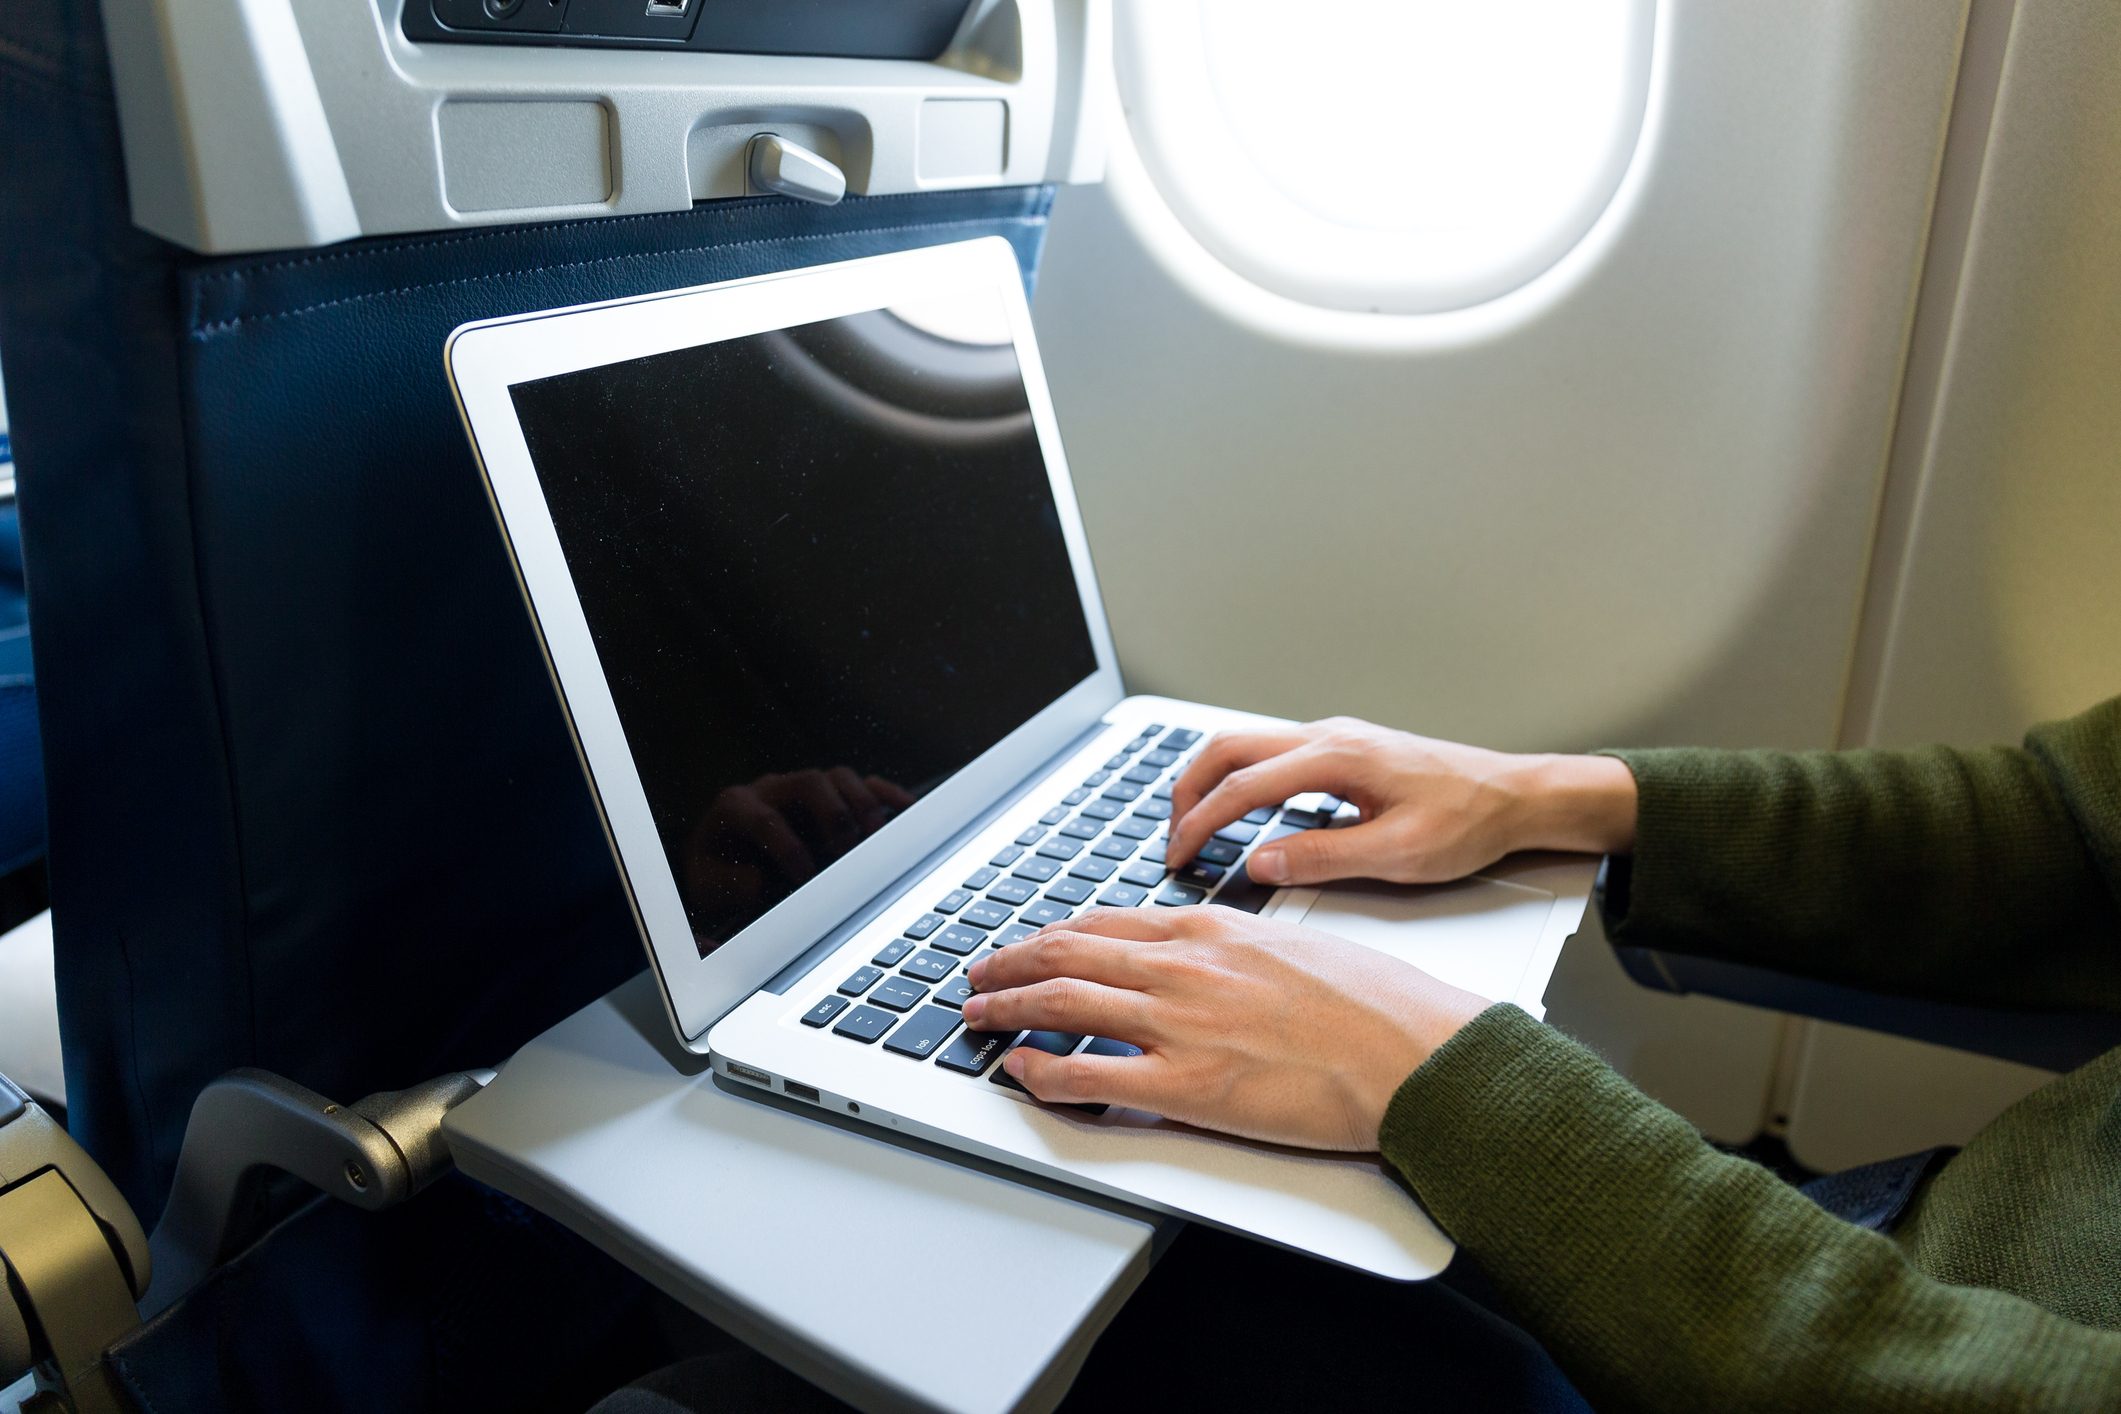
(1253, 1027)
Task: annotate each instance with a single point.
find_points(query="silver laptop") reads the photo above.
(804, 557)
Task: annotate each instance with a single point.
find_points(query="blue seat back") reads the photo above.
(313, 806)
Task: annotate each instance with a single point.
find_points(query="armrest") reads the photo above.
(72, 1257)
(2050, 1040)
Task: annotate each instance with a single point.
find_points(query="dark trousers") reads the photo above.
(1223, 1323)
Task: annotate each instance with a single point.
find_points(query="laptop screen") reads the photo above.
(824, 571)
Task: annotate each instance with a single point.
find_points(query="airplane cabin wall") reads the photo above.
(1996, 600)
(1632, 502)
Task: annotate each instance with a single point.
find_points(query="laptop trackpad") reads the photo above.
(1479, 934)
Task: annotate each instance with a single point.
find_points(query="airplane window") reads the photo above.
(1397, 156)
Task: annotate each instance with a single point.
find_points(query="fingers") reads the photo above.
(1063, 1004)
(869, 813)
(1318, 856)
(742, 807)
(1268, 782)
(895, 796)
(1224, 753)
(1138, 1082)
(1062, 952)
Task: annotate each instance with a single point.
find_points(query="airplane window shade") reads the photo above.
(1394, 156)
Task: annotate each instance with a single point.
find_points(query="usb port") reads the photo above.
(667, 9)
(801, 1092)
(745, 1072)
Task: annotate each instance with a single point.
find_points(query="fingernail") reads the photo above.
(975, 1008)
(1268, 866)
(1014, 1063)
(972, 973)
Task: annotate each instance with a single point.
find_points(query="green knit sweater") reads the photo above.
(1662, 1274)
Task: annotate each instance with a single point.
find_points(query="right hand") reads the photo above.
(1431, 810)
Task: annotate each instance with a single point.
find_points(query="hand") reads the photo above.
(1246, 1025)
(758, 842)
(1431, 810)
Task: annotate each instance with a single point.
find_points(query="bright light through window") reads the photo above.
(1402, 156)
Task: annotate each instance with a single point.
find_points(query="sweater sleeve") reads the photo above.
(1985, 876)
(1661, 1274)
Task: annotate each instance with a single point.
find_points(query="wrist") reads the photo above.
(1582, 804)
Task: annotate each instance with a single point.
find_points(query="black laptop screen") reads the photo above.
(823, 570)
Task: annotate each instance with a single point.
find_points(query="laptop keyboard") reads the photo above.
(1101, 844)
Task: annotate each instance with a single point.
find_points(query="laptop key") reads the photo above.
(1060, 847)
(1136, 826)
(1199, 873)
(1220, 852)
(1162, 756)
(1031, 835)
(1143, 874)
(981, 877)
(923, 1032)
(959, 939)
(922, 926)
(1117, 847)
(927, 965)
(892, 952)
(864, 1024)
(1103, 809)
(1092, 868)
(1007, 855)
(1153, 852)
(1179, 738)
(985, 914)
(1054, 816)
(824, 1011)
(1039, 914)
(954, 993)
(1163, 792)
(1119, 762)
(1154, 808)
(1260, 816)
(972, 1052)
(1038, 870)
(1125, 792)
(1238, 832)
(1069, 891)
(898, 993)
(1076, 796)
(863, 979)
(1083, 827)
(953, 901)
(1014, 933)
(1142, 775)
(1123, 896)
(1177, 895)
(1243, 892)
(1097, 778)
(1013, 891)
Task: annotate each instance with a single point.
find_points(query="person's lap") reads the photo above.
(1223, 1322)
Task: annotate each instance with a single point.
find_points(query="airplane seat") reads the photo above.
(314, 808)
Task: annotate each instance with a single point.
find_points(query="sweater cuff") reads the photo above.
(1494, 1121)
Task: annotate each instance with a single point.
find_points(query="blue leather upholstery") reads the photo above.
(313, 807)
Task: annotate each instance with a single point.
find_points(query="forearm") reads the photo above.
(1965, 875)
(1663, 1275)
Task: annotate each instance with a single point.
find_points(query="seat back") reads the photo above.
(313, 806)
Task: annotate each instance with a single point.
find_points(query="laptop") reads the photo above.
(804, 558)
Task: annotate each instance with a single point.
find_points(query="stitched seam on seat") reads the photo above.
(504, 233)
(202, 332)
